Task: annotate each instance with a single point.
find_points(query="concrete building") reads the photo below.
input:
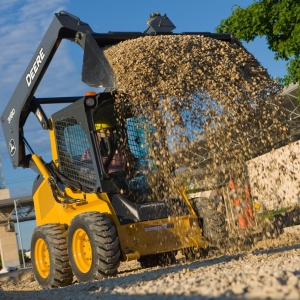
(8, 242)
(9, 249)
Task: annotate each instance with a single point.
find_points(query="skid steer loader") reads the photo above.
(89, 218)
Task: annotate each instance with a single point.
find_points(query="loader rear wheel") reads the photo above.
(160, 259)
(50, 259)
(211, 221)
(93, 247)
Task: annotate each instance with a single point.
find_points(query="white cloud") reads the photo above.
(7, 4)
(22, 26)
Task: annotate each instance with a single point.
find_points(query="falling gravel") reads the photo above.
(209, 103)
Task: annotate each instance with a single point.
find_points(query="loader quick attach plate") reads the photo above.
(158, 236)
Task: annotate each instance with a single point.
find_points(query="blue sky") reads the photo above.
(24, 22)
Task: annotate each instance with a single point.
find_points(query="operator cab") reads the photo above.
(107, 149)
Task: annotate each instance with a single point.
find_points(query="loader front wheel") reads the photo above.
(50, 260)
(93, 247)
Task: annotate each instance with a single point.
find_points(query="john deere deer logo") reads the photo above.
(12, 147)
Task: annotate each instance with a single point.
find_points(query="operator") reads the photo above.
(113, 158)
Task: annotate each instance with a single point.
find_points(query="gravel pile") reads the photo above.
(270, 270)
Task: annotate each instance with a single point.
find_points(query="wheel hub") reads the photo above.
(42, 258)
(82, 250)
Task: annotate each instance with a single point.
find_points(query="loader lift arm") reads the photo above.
(96, 71)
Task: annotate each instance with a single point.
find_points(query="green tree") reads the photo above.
(279, 22)
(26, 258)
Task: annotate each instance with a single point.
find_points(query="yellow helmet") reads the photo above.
(103, 123)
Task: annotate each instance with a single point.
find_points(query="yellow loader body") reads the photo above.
(136, 239)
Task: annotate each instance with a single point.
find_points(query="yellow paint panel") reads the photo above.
(159, 236)
(45, 205)
(49, 211)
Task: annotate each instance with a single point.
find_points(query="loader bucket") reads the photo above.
(96, 70)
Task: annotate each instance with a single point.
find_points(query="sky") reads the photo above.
(24, 22)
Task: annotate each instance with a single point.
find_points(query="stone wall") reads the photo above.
(275, 177)
(8, 248)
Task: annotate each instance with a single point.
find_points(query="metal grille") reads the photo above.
(138, 132)
(137, 138)
(73, 151)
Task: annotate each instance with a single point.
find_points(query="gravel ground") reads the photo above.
(270, 270)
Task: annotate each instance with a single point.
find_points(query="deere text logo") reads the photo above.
(35, 67)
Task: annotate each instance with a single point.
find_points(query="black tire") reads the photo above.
(211, 221)
(49, 256)
(93, 247)
(160, 259)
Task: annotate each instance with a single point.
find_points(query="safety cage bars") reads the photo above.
(72, 145)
